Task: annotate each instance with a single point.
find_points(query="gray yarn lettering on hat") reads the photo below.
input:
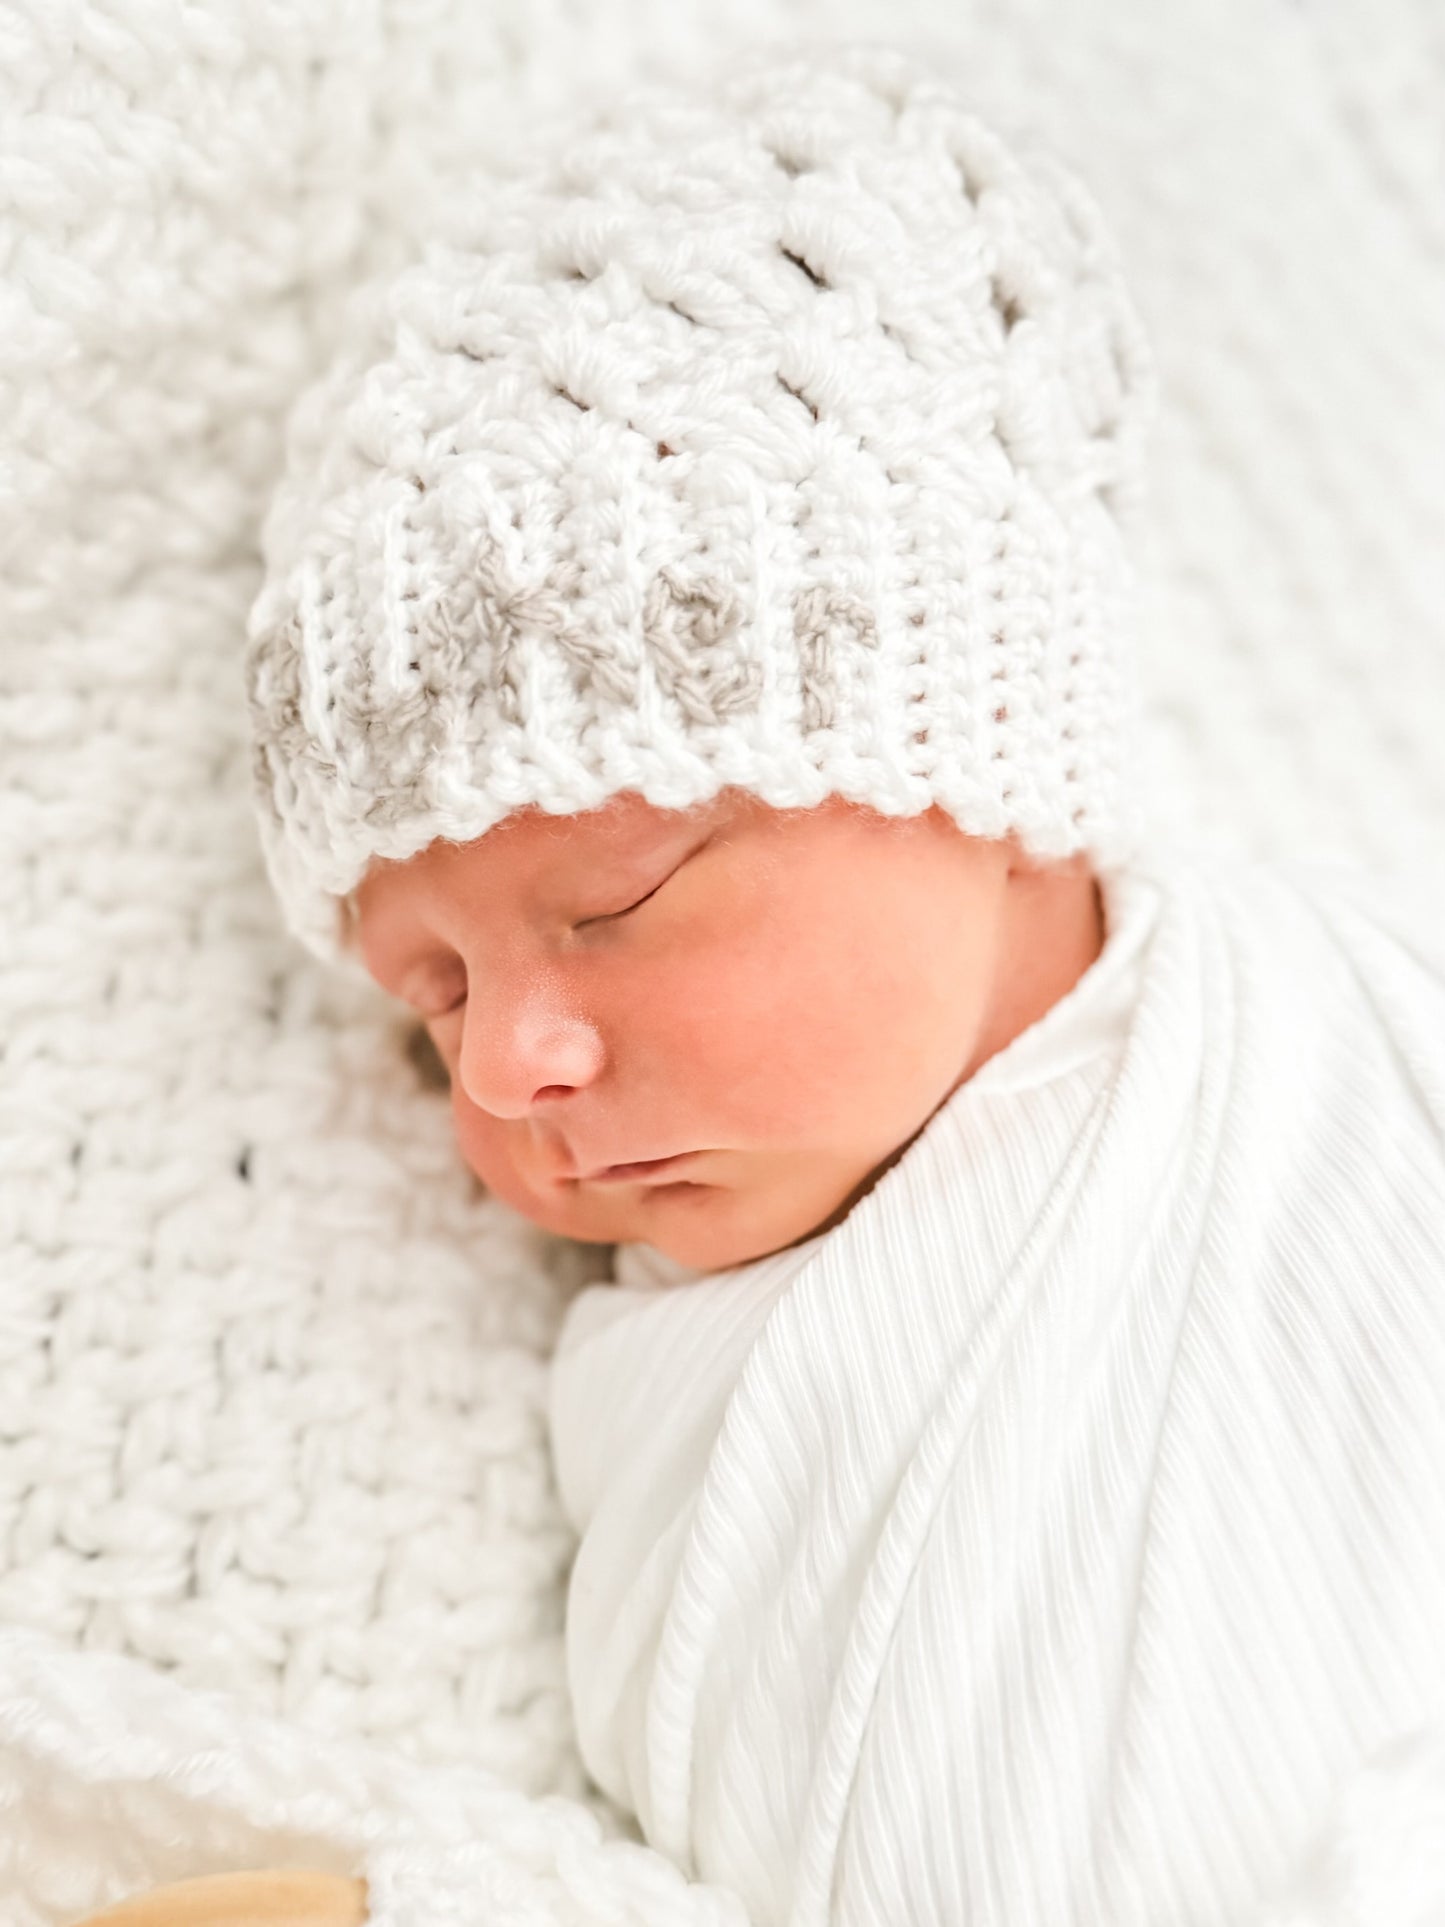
(820, 613)
(272, 666)
(692, 629)
(507, 612)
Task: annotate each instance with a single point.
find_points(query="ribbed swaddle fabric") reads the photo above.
(1056, 1538)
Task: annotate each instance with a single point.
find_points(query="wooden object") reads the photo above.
(299, 1899)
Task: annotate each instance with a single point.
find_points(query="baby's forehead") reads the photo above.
(622, 817)
(533, 840)
(626, 821)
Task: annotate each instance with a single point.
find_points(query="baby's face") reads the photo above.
(775, 1000)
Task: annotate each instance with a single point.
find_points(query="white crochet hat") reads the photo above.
(777, 433)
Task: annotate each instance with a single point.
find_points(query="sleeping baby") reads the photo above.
(694, 674)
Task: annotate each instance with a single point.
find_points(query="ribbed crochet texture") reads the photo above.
(272, 1370)
(777, 433)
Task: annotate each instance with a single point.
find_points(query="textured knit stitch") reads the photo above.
(780, 432)
(272, 1367)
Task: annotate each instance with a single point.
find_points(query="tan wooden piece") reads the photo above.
(299, 1899)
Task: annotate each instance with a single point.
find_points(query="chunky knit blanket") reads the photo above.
(282, 1561)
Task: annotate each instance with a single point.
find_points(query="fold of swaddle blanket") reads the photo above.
(1053, 1539)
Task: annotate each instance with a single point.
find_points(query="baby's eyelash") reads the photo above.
(611, 916)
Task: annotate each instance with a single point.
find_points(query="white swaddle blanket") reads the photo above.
(1061, 1538)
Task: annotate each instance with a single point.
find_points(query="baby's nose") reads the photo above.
(508, 1064)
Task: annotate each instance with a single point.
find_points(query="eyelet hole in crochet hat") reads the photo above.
(797, 260)
(790, 164)
(1008, 306)
(798, 395)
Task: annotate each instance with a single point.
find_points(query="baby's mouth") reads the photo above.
(640, 1172)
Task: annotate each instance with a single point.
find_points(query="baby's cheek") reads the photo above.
(783, 1001)
(482, 1141)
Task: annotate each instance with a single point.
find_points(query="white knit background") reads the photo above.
(271, 1365)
